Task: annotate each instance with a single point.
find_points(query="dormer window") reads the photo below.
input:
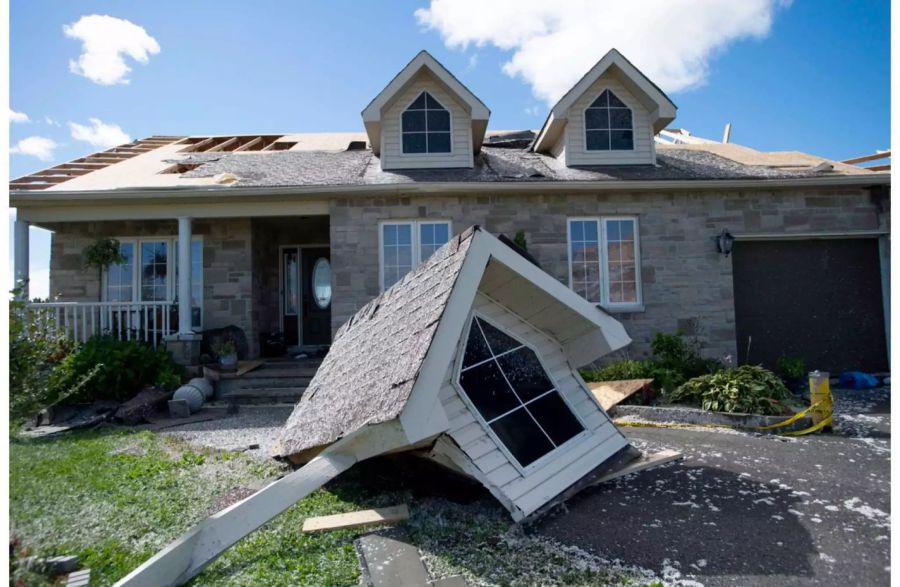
(608, 124)
(425, 126)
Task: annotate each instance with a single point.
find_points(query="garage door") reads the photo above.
(816, 299)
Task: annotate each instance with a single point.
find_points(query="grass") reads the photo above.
(115, 498)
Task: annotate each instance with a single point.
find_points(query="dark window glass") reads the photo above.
(488, 390)
(522, 437)
(621, 140)
(426, 116)
(476, 348)
(556, 418)
(414, 142)
(620, 118)
(614, 101)
(525, 373)
(418, 103)
(438, 142)
(414, 121)
(440, 120)
(499, 342)
(608, 124)
(597, 140)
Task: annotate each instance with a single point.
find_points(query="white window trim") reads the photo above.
(400, 126)
(415, 241)
(171, 285)
(457, 370)
(584, 128)
(622, 307)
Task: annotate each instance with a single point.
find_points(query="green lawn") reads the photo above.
(114, 498)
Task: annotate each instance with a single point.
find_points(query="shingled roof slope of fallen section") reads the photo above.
(375, 358)
(498, 165)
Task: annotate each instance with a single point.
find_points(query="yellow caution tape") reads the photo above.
(821, 411)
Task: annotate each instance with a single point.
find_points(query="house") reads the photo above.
(470, 359)
(758, 254)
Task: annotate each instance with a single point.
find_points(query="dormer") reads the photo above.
(608, 118)
(425, 118)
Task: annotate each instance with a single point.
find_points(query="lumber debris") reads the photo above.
(642, 464)
(247, 366)
(80, 578)
(611, 393)
(388, 515)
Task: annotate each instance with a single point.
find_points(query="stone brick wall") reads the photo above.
(227, 264)
(686, 284)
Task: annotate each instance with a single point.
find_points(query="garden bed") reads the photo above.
(701, 417)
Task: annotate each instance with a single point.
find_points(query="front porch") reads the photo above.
(268, 276)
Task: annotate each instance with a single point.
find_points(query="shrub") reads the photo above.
(122, 369)
(747, 389)
(791, 367)
(33, 353)
(673, 352)
(664, 379)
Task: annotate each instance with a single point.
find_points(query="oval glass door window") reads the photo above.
(321, 282)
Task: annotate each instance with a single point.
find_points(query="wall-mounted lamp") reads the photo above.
(725, 242)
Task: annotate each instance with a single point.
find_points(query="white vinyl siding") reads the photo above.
(392, 156)
(403, 245)
(529, 489)
(605, 260)
(576, 152)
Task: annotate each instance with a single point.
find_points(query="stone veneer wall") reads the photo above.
(687, 285)
(227, 265)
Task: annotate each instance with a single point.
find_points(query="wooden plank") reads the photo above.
(872, 157)
(886, 167)
(388, 515)
(247, 366)
(611, 393)
(645, 462)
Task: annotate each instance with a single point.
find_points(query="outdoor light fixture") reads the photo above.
(725, 242)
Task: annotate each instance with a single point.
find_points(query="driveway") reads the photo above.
(747, 509)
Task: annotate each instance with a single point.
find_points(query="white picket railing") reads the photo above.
(147, 321)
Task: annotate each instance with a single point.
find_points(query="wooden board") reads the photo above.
(388, 515)
(611, 393)
(247, 366)
(645, 462)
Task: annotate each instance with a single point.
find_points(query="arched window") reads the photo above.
(426, 126)
(608, 125)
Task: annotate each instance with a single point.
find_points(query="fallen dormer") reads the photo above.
(425, 118)
(608, 118)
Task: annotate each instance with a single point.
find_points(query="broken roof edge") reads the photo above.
(26, 198)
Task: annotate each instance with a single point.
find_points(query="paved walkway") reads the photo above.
(747, 509)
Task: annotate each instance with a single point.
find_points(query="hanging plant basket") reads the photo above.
(102, 253)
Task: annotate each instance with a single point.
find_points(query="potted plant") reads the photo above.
(226, 352)
(792, 371)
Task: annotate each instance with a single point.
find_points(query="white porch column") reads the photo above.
(184, 275)
(20, 260)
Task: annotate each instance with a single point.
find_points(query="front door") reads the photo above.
(306, 296)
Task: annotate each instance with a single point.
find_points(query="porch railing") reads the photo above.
(147, 321)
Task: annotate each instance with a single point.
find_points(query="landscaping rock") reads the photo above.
(234, 332)
(178, 408)
(58, 565)
(137, 409)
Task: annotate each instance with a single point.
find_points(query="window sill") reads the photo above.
(622, 308)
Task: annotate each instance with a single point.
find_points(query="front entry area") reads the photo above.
(305, 295)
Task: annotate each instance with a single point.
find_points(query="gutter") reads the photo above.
(26, 198)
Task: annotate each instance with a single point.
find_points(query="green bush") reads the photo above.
(747, 389)
(122, 369)
(33, 353)
(791, 367)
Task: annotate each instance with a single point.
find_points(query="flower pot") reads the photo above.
(228, 361)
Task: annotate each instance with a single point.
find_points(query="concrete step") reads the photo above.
(226, 386)
(265, 395)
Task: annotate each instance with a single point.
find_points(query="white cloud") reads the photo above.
(40, 147)
(99, 134)
(50, 121)
(554, 43)
(18, 116)
(105, 42)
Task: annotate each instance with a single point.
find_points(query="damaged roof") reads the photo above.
(344, 159)
(375, 357)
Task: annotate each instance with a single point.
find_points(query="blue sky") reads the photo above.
(806, 75)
